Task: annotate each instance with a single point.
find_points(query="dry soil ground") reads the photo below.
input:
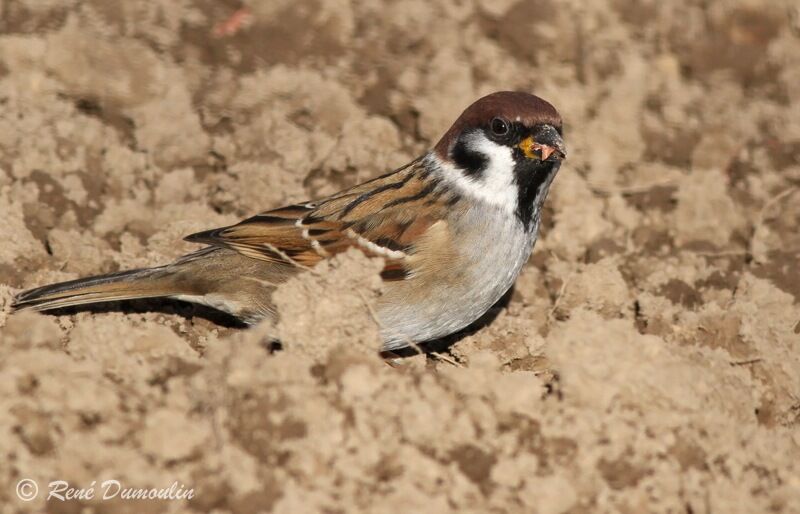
(647, 360)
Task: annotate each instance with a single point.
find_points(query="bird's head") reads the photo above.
(505, 149)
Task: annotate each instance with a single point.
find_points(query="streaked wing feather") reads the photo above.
(381, 217)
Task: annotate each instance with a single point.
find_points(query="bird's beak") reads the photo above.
(545, 143)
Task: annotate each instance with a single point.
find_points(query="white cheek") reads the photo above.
(496, 184)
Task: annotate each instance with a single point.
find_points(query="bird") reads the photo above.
(454, 227)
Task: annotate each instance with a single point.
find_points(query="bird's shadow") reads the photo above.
(189, 311)
(186, 310)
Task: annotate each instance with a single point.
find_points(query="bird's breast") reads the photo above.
(458, 275)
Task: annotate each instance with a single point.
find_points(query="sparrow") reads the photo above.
(454, 227)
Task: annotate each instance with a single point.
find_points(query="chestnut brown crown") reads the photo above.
(528, 109)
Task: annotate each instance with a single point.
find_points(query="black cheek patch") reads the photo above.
(473, 163)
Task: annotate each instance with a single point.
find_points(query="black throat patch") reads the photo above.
(531, 176)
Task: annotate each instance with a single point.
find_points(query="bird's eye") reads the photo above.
(499, 127)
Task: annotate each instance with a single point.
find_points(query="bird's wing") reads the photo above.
(386, 217)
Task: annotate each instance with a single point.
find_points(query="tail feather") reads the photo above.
(124, 285)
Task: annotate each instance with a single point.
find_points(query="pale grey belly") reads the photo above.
(486, 265)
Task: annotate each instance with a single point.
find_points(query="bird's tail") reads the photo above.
(124, 285)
